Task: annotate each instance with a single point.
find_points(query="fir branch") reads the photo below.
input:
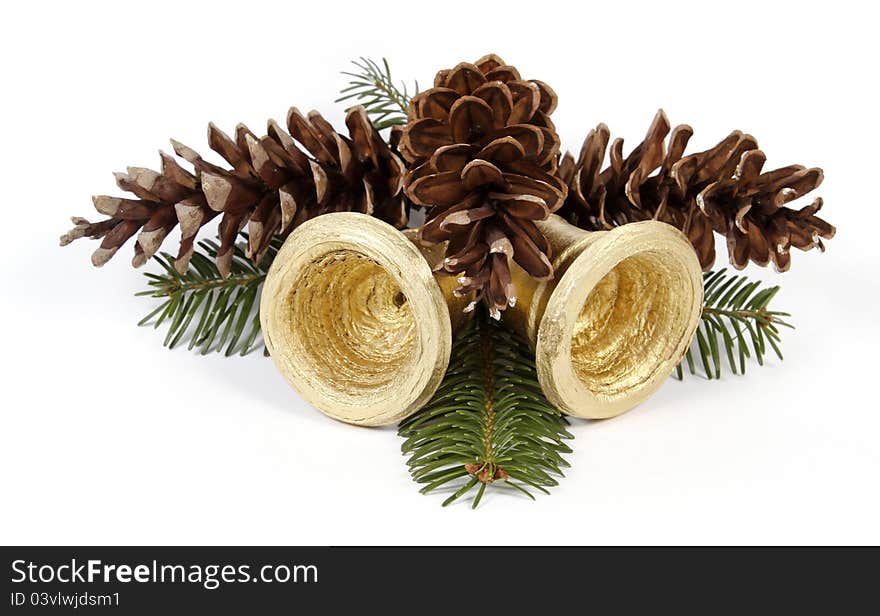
(372, 87)
(213, 310)
(736, 322)
(489, 422)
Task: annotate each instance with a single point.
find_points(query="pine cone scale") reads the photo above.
(464, 78)
(500, 102)
(426, 136)
(437, 105)
(438, 190)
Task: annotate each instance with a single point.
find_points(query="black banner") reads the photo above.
(252, 580)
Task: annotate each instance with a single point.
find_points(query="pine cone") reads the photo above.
(483, 156)
(272, 187)
(719, 190)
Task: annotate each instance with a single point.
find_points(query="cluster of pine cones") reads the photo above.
(480, 153)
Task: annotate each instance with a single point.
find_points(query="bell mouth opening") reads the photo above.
(632, 324)
(351, 323)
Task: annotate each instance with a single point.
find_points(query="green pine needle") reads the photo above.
(371, 86)
(736, 323)
(212, 312)
(489, 424)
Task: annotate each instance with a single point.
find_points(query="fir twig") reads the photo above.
(736, 322)
(372, 87)
(214, 311)
(489, 423)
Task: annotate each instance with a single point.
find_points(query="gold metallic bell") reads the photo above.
(356, 321)
(617, 317)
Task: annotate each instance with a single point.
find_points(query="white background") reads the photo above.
(109, 438)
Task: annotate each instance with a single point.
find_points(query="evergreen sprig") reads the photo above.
(225, 311)
(489, 422)
(371, 86)
(737, 322)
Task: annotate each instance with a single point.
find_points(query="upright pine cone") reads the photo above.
(721, 190)
(272, 187)
(483, 156)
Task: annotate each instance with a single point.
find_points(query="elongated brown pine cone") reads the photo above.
(720, 190)
(483, 155)
(272, 187)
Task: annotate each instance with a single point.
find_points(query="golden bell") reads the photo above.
(356, 321)
(617, 317)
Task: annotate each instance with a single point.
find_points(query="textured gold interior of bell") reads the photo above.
(632, 318)
(351, 322)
